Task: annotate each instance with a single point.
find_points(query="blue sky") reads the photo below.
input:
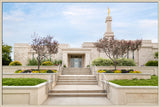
(75, 23)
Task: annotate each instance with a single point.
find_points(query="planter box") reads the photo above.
(51, 77)
(133, 95)
(12, 69)
(113, 76)
(32, 95)
(145, 69)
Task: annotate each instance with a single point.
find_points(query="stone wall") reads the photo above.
(23, 52)
(144, 69)
(12, 69)
(133, 95)
(25, 95)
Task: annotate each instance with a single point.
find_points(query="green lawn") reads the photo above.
(135, 82)
(21, 81)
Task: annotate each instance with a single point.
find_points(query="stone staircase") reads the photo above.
(76, 71)
(77, 82)
(77, 93)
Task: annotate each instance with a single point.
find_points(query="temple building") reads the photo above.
(81, 57)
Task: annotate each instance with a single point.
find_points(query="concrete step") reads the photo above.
(77, 82)
(77, 94)
(77, 77)
(76, 71)
(76, 91)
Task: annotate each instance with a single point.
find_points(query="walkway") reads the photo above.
(74, 100)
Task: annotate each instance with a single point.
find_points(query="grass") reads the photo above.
(22, 81)
(135, 82)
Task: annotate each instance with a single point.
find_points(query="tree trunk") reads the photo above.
(50, 57)
(127, 54)
(38, 65)
(115, 65)
(39, 62)
(133, 55)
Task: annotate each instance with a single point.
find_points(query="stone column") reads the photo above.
(65, 59)
(21, 51)
(87, 59)
(109, 32)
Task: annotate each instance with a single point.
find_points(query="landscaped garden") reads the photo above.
(118, 71)
(137, 82)
(22, 81)
(35, 71)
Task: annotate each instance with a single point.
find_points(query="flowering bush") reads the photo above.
(27, 71)
(134, 72)
(15, 63)
(43, 71)
(101, 71)
(18, 71)
(117, 71)
(35, 71)
(47, 63)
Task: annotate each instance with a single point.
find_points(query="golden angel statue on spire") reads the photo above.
(108, 11)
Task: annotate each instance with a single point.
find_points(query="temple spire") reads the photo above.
(108, 22)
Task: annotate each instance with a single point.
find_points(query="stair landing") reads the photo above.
(68, 95)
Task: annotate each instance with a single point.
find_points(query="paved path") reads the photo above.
(76, 87)
(92, 101)
(71, 100)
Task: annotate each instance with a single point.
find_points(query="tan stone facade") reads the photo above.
(81, 57)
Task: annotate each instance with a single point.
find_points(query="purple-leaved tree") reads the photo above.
(44, 46)
(115, 49)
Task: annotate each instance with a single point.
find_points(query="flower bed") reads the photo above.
(118, 71)
(36, 71)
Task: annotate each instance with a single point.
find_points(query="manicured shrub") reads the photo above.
(32, 62)
(60, 62)
(152, 63)
(124, 71)
(64, 66)
(109, 71)
(107, 62)
(18, 71)
(88, 66)
(126, 62)
(34, 69)
(27, 71)
(50, 71)
(130, 70)
(47, 63)
(15, 63)
(102, 62)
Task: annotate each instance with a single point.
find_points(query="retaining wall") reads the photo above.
(25, 95)
(12, 69)
(133, 95)
(144, 69)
